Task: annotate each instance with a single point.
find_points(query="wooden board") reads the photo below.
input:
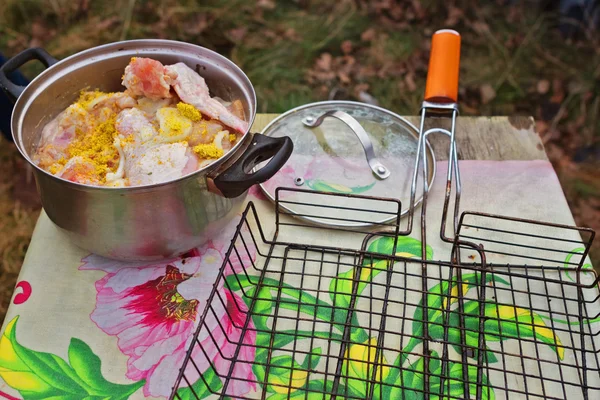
(478, 138)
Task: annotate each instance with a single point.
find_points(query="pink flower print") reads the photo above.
(153, 309)
(228, 335)
(152, 320)
(218, 342)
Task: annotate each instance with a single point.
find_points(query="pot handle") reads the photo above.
(237, 178)
(35, 53)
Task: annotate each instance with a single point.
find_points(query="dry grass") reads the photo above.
(514, 62)
(16, 223)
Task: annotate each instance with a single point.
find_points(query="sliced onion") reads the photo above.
(110, 176)
(97, 100)
(219, 139)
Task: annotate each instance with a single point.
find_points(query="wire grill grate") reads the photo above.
(367, 324)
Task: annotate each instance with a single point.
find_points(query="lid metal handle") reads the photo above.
(380, 170)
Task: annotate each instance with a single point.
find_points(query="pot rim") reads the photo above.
(132, 46)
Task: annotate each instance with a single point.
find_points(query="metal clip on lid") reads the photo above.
(380, 170)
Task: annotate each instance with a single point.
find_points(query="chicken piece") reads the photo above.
(80, 170)
(97, 100)
(237, 109)
(192, 89)
(58, 134)
(124, 100)
(150, 106)
(146, 77)
(158, 163)
(133, 122)
(53, 143)
(174, 127)
(192, 163)
(204, 132)
(148, 160)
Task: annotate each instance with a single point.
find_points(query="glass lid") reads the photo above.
(347, 148)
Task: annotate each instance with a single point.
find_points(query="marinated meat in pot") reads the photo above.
(146, 135)
(192, 89)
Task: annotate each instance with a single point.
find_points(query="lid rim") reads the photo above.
(411, 128)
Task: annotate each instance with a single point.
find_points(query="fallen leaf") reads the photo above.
(480, 27)
(39, 30)
(454, 15)
(418, 9)
(266, 4)
(558, 91)
(487, 93)
(195, 25)
(291, 34)
(346, 47)
(35, 42)
(541, 127)
(238, 34)
(83, 8)
(368, 35)
(409, 79)
(343, 77)
(543, 86)
(361, 87)
(107, 23)
(324, 62)
(397, 12)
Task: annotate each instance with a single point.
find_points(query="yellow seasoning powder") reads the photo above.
(173, 125)
(97, 146)
(86, 97)
(232, 137)
(189, 111)
(207, 151)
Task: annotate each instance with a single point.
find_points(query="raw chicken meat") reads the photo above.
(144, 135)
(134, 123)
(58, 134)
(147, 159)
(146, 77)
(79, 170)
(192, 89)
(147, 165)
(93, 101)
(150, 106)
(204, 132)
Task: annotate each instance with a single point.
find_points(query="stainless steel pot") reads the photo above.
(145, 222)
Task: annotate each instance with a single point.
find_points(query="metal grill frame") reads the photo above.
(467, 286)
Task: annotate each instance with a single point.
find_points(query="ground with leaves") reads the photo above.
(516, 60)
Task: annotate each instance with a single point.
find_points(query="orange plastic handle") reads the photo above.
(444, 62)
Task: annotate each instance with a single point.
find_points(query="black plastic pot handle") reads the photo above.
(236, 179)
(13, 90)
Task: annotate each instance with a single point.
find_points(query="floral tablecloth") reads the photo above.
(81, 326)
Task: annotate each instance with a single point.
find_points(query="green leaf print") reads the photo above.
(404, 378)
(574, 252)
(340, 288)
(437, 298)
(454, 387)
(315, 390)
(412, 383)
(322, 186)
(206, 385)
(38, 375)
(405, 247)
